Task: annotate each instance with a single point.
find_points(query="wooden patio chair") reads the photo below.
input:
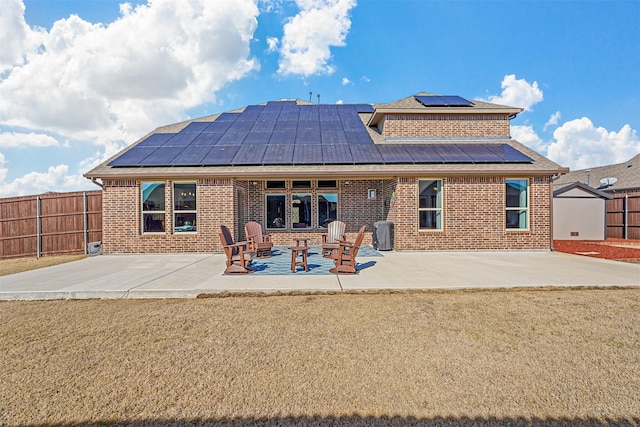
(345, 258)
(259, 243)
(332, 238)
(238, 256)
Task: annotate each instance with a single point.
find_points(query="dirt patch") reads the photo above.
(608, 249)
(17, 265)
(552, 357)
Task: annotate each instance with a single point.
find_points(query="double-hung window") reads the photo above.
(184, 207)
(430, 204)
(517, 204)
(153, 207)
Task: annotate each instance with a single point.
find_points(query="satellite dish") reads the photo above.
(608, 181)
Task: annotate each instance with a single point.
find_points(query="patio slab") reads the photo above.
(188, 275)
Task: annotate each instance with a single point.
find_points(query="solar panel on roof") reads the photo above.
(328, 137)
(227, 117)
(308, 136)
(249, 154)
(289, 113)
(191, 156)
(451, 153)
(392, 153)
(309, 113)
(443, 101)
(220, 155)
(282, 102)
(250, 112)
(363, 108)
(257, 138)
(156, 140)
(336, 154)
(284, 137)
(162, 156)
(309, 124)
(196, 127)
(363, 154)
(133, 157)
(423, 153)
(180, 139)
(232, 138)
(263, 126)
(479, 153)
(358, 137)
(307, 154)
(509, 154)
(331, 125)
(278, 154)
(241, 125)
(206, 139)
(282, 126)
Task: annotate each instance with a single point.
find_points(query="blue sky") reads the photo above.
(80, 80)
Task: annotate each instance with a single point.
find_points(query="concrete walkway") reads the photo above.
(187, 275)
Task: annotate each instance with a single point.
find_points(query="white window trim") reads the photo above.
(526, 208)
(441, 209)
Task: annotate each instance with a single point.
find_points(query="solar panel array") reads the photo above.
(284, 133)
(443, 101)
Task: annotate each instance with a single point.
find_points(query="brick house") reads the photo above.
(443, 169)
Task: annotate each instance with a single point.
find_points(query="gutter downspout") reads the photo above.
(93, 179)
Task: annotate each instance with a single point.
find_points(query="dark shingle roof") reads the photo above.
(627, 176)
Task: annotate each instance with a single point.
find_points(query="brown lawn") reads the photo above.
(520, 357)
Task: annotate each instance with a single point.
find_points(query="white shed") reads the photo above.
(579, 213)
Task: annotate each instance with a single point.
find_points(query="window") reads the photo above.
(276, 211)
(301, 210)
(300, 184)
(430, 204)
(327, 183)
(279, 185)
(184, 207)
(327, 209)
(517, 203)
(153, 208)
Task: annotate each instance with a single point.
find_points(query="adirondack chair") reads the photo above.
(331, 239)
(259, 243)
(345, 258)
(238, 256)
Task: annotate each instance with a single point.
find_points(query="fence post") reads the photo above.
(38, 228)
(625, 219)
(86, 221)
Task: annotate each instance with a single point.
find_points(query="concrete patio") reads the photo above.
(188, 275)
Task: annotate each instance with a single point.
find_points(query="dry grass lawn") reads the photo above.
(526, 357)
(18, 265)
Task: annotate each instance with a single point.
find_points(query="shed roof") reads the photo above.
(627, 177)
(583, 187)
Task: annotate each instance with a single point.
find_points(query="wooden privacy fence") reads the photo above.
(623, 216)
(50, 224)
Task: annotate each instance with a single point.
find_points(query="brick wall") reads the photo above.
(122, 222)
(473, 216)
(446, 125)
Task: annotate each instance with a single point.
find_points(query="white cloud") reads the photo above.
(310, 34)
(15, 34)
(345, 81)
(579, 144)
(23, 140)
(57, 178)
(529, 137)
(117, 81)
(553, 120)
(272, 43)
(517, 93)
